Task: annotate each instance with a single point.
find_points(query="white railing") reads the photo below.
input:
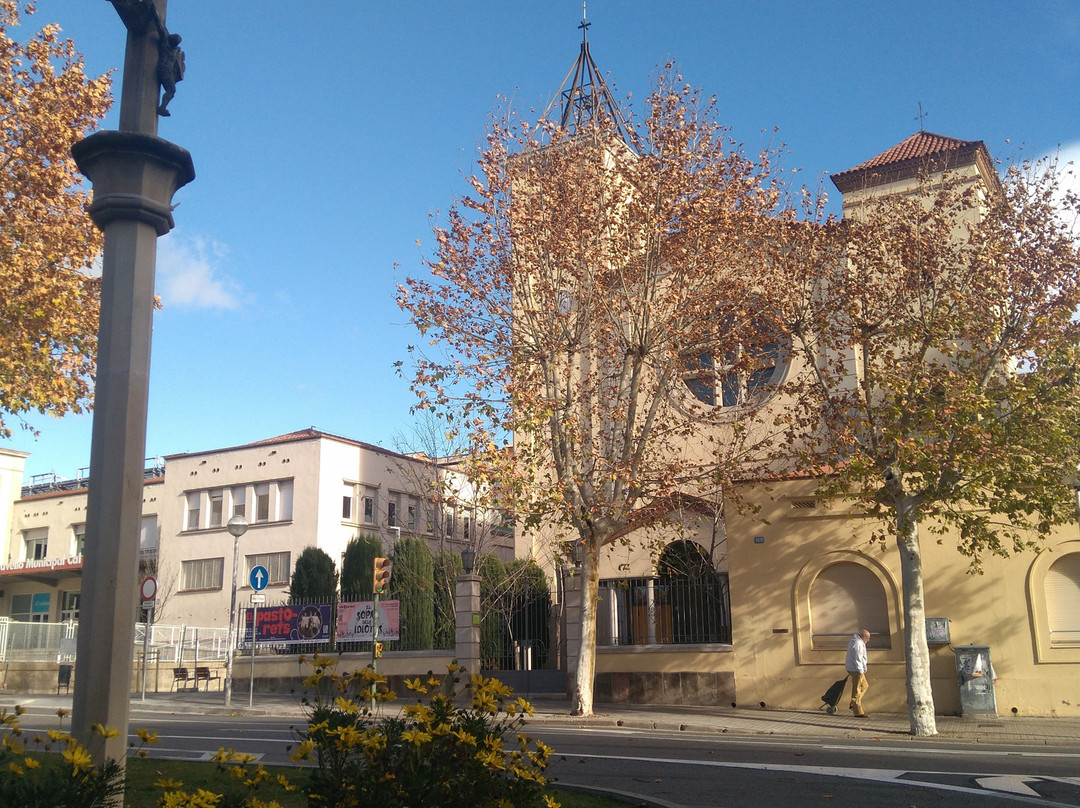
(55, 642)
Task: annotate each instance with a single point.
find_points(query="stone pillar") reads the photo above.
(134, 177)
(467, 622)
(572, 601)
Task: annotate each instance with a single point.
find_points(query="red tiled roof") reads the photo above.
(905, 158)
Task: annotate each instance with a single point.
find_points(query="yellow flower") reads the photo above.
(15, 768)
(146, 736)
(78, 757)
(551, 802)
(62, 713)
(168, 783)
(414, 684)
(31, 763)
(105, 732)
(347, 705)
(303, 751)
(464, 737)
(416, 737)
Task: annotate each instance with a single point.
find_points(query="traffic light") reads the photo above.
(378, 650)
(382, 575)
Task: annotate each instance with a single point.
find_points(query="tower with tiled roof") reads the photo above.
(896, 170)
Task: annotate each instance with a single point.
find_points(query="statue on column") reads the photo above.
(170, 67)
(138, 16)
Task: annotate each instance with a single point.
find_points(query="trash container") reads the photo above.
(975, 676)
(63, 678)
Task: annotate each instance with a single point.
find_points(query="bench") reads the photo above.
(206, 675)
(180, 676)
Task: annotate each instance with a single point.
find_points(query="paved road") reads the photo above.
(698, 768)
(701, 756)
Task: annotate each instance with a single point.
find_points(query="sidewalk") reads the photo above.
(553, 709)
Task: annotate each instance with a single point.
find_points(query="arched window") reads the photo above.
(743, 374)
(844, 598)
(1062, 589)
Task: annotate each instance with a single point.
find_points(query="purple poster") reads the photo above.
(291, 623)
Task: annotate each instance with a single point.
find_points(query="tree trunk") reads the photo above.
(916, 651)
(585, 671)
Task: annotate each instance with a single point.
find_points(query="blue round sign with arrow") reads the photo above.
(259, 578)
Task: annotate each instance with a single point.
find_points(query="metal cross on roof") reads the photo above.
(585, 95)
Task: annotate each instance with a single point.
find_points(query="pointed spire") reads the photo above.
(584, 94)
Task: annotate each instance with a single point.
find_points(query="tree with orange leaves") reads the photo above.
(48, 293)
(943, 392)
(601, 301)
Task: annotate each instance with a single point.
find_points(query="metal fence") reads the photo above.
(650, 611)
(55, 642)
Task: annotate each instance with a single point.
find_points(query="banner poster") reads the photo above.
(355, 620)
(291, 623)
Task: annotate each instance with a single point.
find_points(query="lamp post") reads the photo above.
(468, 560)
(237, 527)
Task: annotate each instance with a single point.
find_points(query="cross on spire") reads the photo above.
(921, 118)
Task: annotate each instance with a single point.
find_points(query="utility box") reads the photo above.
(975, 676)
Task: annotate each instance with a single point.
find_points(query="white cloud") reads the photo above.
(1069, 176)
(189, 275)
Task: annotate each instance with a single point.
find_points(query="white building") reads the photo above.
(303, 489)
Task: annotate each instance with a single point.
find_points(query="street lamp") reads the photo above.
(237, 527)
(468, 560)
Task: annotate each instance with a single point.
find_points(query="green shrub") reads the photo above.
(413, 585)
(460, 747)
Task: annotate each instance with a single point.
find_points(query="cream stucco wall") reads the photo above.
(770, 585)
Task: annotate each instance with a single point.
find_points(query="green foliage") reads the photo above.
(357, 566)
(447, 566)
(314, 577)
(413, 585)
(433, 753)
(494, 633)
(33, 780)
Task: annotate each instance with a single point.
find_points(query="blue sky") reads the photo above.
(325, 135)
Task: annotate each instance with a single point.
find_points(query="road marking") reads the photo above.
(877, 775)
(1013, 784)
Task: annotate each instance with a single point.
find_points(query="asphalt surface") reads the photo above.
(549, 708)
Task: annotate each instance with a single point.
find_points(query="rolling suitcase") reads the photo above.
(833, 694)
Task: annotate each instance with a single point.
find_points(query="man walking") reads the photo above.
(856, 667)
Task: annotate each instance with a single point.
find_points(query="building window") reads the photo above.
(69, 606)
(844, 598)
(217, 507)
(277, 565)
(239, 497)
(262, 502)
(202, 573)
(392, 506)
(347, 498)
(283, 510)
(193, 500)
(148, 535)
(466, 523)
(411, 513)
(1062, 588)
(369, 506)
(79, 532)
(36, 543)
(744, 376)
(31, 608)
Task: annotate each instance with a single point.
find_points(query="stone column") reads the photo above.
(134, 177)
(467, 622)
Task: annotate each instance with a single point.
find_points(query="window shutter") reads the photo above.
(844, 598)
(1062, 590)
